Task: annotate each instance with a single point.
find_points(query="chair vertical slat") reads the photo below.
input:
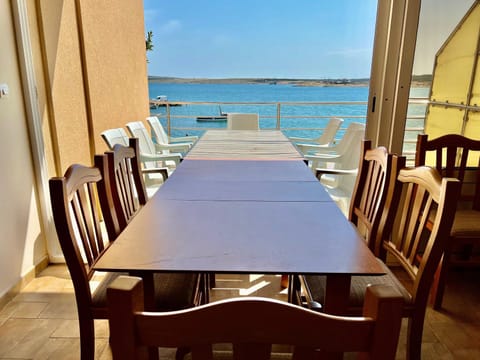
(402, 225)
(463, 165)
(97, 240)
(77, 206)
(416, 221)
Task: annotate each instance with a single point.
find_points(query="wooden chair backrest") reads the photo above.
(453, 157)
(125, 184)
(252, 325)
(420, 193)
(77, 215)
(372, 193)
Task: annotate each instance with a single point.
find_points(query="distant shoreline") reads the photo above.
(417, 81)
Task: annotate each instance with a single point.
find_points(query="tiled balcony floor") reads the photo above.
(40, 323)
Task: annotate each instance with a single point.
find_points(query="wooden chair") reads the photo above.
(125, 187)
(77, 216)
(371, 200)
(252, 325)
(362, 181)
(325, 139)
(417, 250)
(451, 156)
(128, 195)
(77, 220)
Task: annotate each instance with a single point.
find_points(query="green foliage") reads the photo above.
(149, 41)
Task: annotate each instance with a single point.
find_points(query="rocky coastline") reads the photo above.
(417, 81)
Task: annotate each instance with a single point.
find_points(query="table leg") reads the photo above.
(293, 289)
(148, 288)
(337, 294)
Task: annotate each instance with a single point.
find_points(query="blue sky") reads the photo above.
(261, 38)
(281, 39)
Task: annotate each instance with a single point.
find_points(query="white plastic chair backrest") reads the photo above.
(350, 160)
(330, 131)
(239, 121)
(157, 130)
(115, 136)
(350, 134)
(138, 130)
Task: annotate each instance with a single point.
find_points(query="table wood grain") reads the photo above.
(258, 214)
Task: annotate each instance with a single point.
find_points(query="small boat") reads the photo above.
(216, 118)
(160, 100)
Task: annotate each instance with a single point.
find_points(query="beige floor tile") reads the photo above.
(25, 337)
(41, 322)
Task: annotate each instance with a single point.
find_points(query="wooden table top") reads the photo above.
(243, 180)
(249, 216)
(244, 144)
(240, 237)
(261, 212)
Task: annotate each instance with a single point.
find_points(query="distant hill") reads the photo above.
(418, 80)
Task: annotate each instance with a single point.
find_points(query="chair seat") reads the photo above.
(466, 224)
(172, 291)
(317, 286)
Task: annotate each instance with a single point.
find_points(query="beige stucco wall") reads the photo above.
(21, 240)
(116, 63)
(63, 66)
(96, 72)
(90, 75)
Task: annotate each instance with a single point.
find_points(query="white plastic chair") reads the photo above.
(154, 173)
(338, 170)
(325, 139)
(239, 121)
(148, 153)
(339, 180)
(336, 153)
(113, 137)
(163, 142)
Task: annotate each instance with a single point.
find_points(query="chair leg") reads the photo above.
(438, 288)
(211, 280)
(87, 338)
(414, 337)
(181, 352)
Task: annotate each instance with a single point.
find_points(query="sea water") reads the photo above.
(264, 99)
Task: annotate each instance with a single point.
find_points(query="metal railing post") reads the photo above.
(278, 116)
(169, 129)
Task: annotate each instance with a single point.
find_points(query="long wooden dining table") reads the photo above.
(244, 202)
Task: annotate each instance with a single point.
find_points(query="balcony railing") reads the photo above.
(301, 119)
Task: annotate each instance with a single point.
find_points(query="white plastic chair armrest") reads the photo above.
(323, 171)
(188, 138)
(163, 171)
(176, 157)
(180, 147)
